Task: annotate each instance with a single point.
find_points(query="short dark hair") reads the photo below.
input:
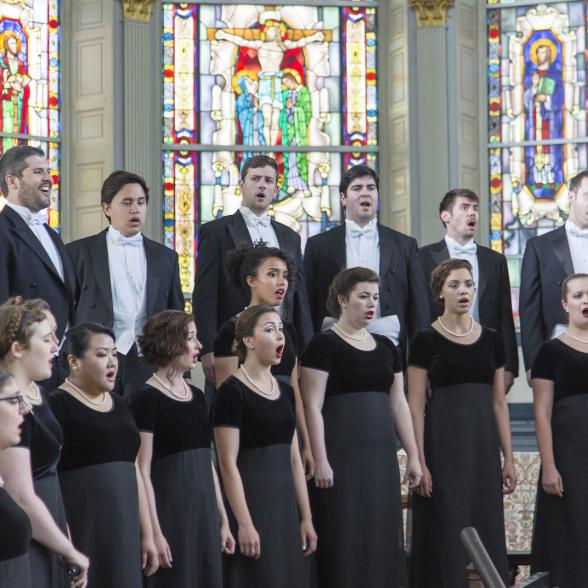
(164, 337)
(245, 325)
(245, 261)
(78, 339)
(566, 282)
(116, 181)
(577, 180)
(344, 282)
(13, 163)
(357, 171)
(440, 274)
(449, 199)
(17, 316)
(259, 161)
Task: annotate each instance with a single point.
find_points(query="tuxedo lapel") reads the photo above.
(339, 247)
(99, 256)
(439, 253)
(559, 243)
(388, 249)
(152, 287)
(238, 231)
(284, 237)
(484, 271)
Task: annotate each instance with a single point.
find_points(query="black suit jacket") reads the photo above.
(403, 290)
(26, 269)
(494, 303)
(90, 258)
(546, 263)
(216, 299)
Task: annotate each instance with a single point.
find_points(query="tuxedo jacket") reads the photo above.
(216, 299)
(546, 263)
(403, 290)
(26, 268)
(90, 259)
(494, 302)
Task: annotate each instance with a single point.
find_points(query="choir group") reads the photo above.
(109, 455)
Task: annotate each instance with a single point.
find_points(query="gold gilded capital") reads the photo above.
(431, 13)
(137, 10)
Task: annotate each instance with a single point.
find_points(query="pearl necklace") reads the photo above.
(340, 330)
(85, 396)
(248, 378)
(453, 332)
(171, 390)
(585, 341)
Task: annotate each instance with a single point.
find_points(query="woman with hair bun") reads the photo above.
(190, 526)
(27, 352)
(461, 425)
(266, 273)
(103, 494)
(254, 426)
(353, 392)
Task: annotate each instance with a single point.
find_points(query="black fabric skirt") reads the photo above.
(560, 535)
(102, 508)
(359, 519)
(188, 515)
(45, 569)
(16, 572)
(463, 455)
(267, 478)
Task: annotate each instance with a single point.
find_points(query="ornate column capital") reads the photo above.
(137, 10)
(431, 13)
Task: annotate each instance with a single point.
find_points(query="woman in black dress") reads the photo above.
(254, 425)
(560, 397)
(265, 273)
(15, 530)
(460, 427)
(353, 393)
(27, 348)
(105, 505)
(190, 526)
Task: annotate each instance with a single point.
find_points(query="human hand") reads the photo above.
(249, 543)
(413, 474)
(80, 563)
(227, 539)
(207, 361)
(163, 550)
(309, 537)
(323, 474)
(551, 481)
(425, 487)
(308, 463)
(149, 556)
(509, 477)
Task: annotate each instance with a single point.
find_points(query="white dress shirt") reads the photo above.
(128, 277)
(260, 228)
(468, 252)
(37, 222)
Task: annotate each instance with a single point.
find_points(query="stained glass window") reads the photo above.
(537, 119)
(30, 96)
(298, 83)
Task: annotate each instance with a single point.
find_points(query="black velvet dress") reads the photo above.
(359, 519)
(462, 452)
(560, 536)
(99, 484)
(15, 540)
(181, 475)
(42, 435)
(266, 428)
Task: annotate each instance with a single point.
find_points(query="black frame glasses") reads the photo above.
(18, 397)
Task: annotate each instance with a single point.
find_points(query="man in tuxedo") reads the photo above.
(124, 277)
(492, 307)
(33, 260)
(362, 241)
(548, 259)
(215, 299)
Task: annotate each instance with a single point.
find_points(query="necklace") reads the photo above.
(38, 393)
(85, 396)
(171, 390)
(336, 326)
(453, 332)
(576, 338)
(247, 377)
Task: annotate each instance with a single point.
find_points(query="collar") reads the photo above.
(118, 238)
(29, 217)
(452, 244)
(353, 226)
(575, 230)
(249, 215)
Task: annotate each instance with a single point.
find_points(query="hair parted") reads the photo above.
(357, 171)
(565, 284)
(17, 317)
(259, 161)
(576, 181)
(78, 340)
(246, 261)
(164, 337)
(5, 379)
(245, 326)
(440, 274)
(344, 282)
(116, 181)
(13, 163)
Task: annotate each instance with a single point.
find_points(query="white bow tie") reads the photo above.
(264, 221)
(576, 232)
(355, 233)
(134, 241)
(470, 249)
(35, 219)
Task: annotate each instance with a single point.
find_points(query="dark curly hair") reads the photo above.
(344, 282)
(164, 337)
(246, 323)
(17, 316)
(440, 274)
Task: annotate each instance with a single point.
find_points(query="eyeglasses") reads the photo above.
(17, 400)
